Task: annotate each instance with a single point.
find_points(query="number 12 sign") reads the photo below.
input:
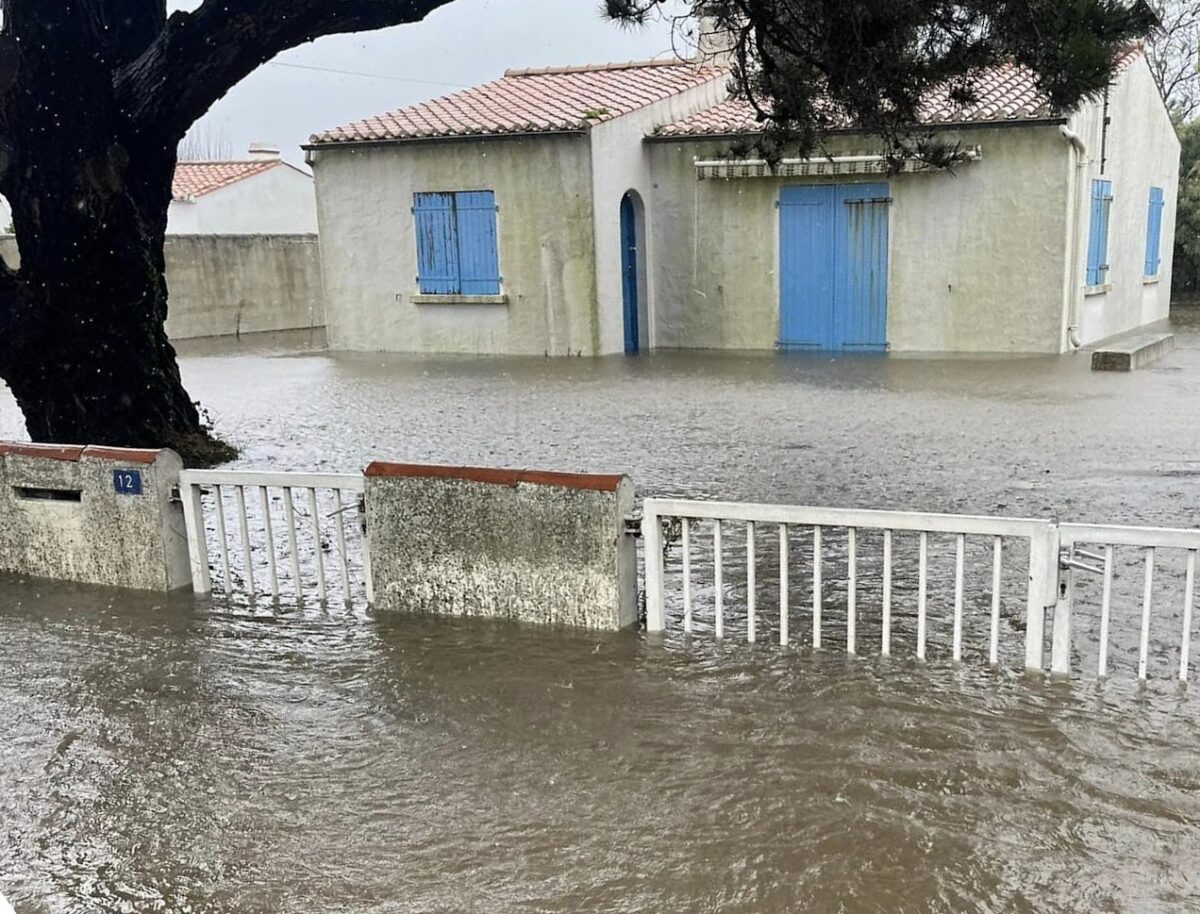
(127, 482)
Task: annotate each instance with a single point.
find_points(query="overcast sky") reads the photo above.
(463, 43)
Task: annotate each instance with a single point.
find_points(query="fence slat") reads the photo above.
(1189, 588)
(851, 590)
(224, 538)
(341, 541)
(686, 532)
(783, 584)
(272, 572)
(289, 515)
(1147, 600)
(318, 557)
(816, 599)
(1105, 611)
(922, 588)
(719, 582)
(244, 528)
(994, 634)
(886, 644)
(960, 542)
(193, 517)
(750, 583)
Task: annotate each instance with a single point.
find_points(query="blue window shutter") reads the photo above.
(479, 262)
(1154, 232)
(1097, 255)
(437, 244)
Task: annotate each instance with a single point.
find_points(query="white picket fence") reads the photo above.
(320, 553)
(1043, 559)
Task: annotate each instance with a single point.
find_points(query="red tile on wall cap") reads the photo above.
(127, 454)
(501, 477)
(69, 452)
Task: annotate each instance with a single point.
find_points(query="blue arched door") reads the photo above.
(629, 272)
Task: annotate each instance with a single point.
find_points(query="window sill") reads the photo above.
(1150, 280)
(1103, 289)
(419, 299)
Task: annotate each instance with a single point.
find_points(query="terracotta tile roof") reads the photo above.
(1004, 93)
(533, 101)
(195, 179)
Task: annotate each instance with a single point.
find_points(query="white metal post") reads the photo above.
(652, 546)
(1060, 646)
(193, 518)
(1043, 593)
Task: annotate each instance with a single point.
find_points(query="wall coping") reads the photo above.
(495, 476)
(72, 453)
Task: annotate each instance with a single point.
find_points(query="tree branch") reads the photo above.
(199, 56)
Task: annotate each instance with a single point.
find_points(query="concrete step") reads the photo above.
(1135, 351)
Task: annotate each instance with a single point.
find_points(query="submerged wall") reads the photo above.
(548, 548)
(226, 285)
(92, 515)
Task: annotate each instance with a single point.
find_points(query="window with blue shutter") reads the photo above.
(1097, 260)
(456, 243)
(1154, 231)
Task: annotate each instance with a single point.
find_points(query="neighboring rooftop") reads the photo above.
(533, 101)
(195, 179)
(1006, 93)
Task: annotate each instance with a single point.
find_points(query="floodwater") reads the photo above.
(167, 755)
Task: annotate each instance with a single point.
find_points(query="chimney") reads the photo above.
(263, 152)
(714, 44)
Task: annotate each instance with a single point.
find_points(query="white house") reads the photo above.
(258, 195)
(598, 210)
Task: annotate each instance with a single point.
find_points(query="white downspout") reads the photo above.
(1075, 288)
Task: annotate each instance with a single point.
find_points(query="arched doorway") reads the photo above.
(632, 270)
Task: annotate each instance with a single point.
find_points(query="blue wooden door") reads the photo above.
(860, 300)
(833, 267)
(629, 273)
(806, 267)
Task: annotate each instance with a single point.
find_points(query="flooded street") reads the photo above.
(168, 755)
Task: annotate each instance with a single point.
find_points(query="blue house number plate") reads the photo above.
(127, 482)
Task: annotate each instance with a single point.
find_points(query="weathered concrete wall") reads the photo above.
(544, 235)
(1140, 150)
(89, 533)
(975, 257)
(546, 548)
(280, 201)
(223, 285)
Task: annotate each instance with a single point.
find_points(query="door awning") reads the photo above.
(867, 163)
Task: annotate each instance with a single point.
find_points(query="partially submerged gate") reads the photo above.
(299, 536)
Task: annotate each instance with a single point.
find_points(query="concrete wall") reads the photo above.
(280, 201)
(975, 262)
(547, 548)
(620, 163)
(1140, 150)
(134, 541)
(544, 227)
(225, 285)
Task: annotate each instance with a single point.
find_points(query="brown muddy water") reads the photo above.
(170, 755)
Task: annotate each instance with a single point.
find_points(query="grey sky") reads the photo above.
(463, 43)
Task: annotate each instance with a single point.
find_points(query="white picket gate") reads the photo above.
(312, 508)
(1051, 557)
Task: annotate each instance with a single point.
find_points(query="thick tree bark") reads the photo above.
(95, 96)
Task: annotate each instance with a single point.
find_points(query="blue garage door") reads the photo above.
(833, 267)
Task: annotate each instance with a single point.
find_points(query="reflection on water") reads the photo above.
(166, 755)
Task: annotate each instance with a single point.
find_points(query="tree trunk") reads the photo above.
(89, 361)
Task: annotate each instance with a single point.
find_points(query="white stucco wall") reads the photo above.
(544, 235)
(280, 201)
(1141, 150)
(620, 163)
(975, 257)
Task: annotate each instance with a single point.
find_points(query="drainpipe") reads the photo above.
(1076, 290)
